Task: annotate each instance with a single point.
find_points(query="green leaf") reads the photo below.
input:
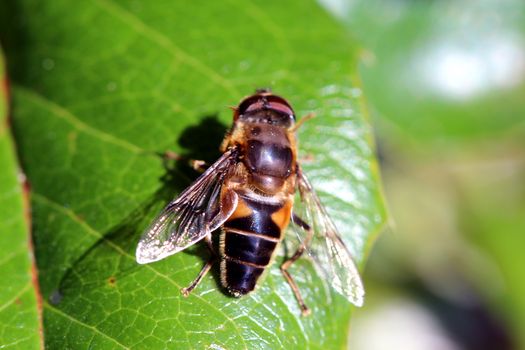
(103, 87)
(19, 315)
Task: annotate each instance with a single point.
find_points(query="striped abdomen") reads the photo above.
(248, 239)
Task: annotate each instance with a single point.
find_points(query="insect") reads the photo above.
(248, 193)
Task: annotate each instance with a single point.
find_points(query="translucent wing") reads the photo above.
(196, 212)
(329, 253)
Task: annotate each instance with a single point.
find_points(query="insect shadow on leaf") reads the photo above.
(200, 142)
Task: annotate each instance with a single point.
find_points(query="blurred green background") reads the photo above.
(445, 81)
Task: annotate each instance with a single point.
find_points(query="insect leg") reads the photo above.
(198, 165)
(302, 120)
(170, 155)
(186, 291)
(305, 311)
(209, 243)
(301, 223)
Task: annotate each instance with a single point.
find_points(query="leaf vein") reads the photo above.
(77, 321)
(255, 12)
(15, 297)
(163, 41)
(8, 257)
(73, 120)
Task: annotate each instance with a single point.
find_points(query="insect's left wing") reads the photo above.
(196, 212)
(319, 235)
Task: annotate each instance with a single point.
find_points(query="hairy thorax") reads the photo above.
(268, 157)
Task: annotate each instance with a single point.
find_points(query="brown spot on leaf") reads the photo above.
(112, 281)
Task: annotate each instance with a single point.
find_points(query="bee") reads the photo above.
(248, 196)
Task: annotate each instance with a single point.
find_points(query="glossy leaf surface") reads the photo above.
(102, 88)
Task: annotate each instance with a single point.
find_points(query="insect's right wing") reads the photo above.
(195, 213)
(321, 240)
